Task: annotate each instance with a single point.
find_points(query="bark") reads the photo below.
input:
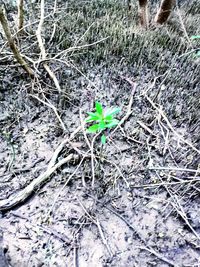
(164, 11)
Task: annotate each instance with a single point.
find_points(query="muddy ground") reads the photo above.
(144, 207)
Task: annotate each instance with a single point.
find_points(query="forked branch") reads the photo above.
(11, 42)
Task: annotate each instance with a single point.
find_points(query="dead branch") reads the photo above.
(22, 195)
(60, 148)
(11, 42)
(42, 47)
(105, 242)
(146, 128)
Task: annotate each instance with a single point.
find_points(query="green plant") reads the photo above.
(193, 38)
(104, 119)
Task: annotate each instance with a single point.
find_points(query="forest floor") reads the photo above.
(144, 207)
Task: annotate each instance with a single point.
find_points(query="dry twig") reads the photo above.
(52, 107)
(148, 248)
(63, 187)
(160, 111)
(129, 108)
(159, 256)
(20, 6)
(97, 223)
(174, 169)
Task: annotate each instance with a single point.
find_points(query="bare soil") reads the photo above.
(144, 208)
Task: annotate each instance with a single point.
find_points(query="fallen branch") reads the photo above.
(22, 195)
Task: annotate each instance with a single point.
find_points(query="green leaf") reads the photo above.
(89, 119)
(103, 139)
(108, 118)
(198, 54)
(111, 111)
(102, 125)
(92, 118)
(112, 123)
(99, 108)
(93, 129)
(195, 37)
(92, 113)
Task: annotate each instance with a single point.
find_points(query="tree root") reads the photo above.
(11, 42)
(21, 196)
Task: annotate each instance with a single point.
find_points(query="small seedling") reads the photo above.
(104, 119)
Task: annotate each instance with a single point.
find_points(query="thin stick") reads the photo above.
(173, 169)
(166, 183)
(129, 108)
(92, 158)
(72, 49)
(97, 223)
(183, 27)
(103, 237)
(52, 107)
(119, 171)
(61, 236)
(54, 25)
(20, 7)
(158, 255)
(63, 187)
(132, 227)
(75, 256)
(170, 126)
(146, 128)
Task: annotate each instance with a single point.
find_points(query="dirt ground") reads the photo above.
(144, 207)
